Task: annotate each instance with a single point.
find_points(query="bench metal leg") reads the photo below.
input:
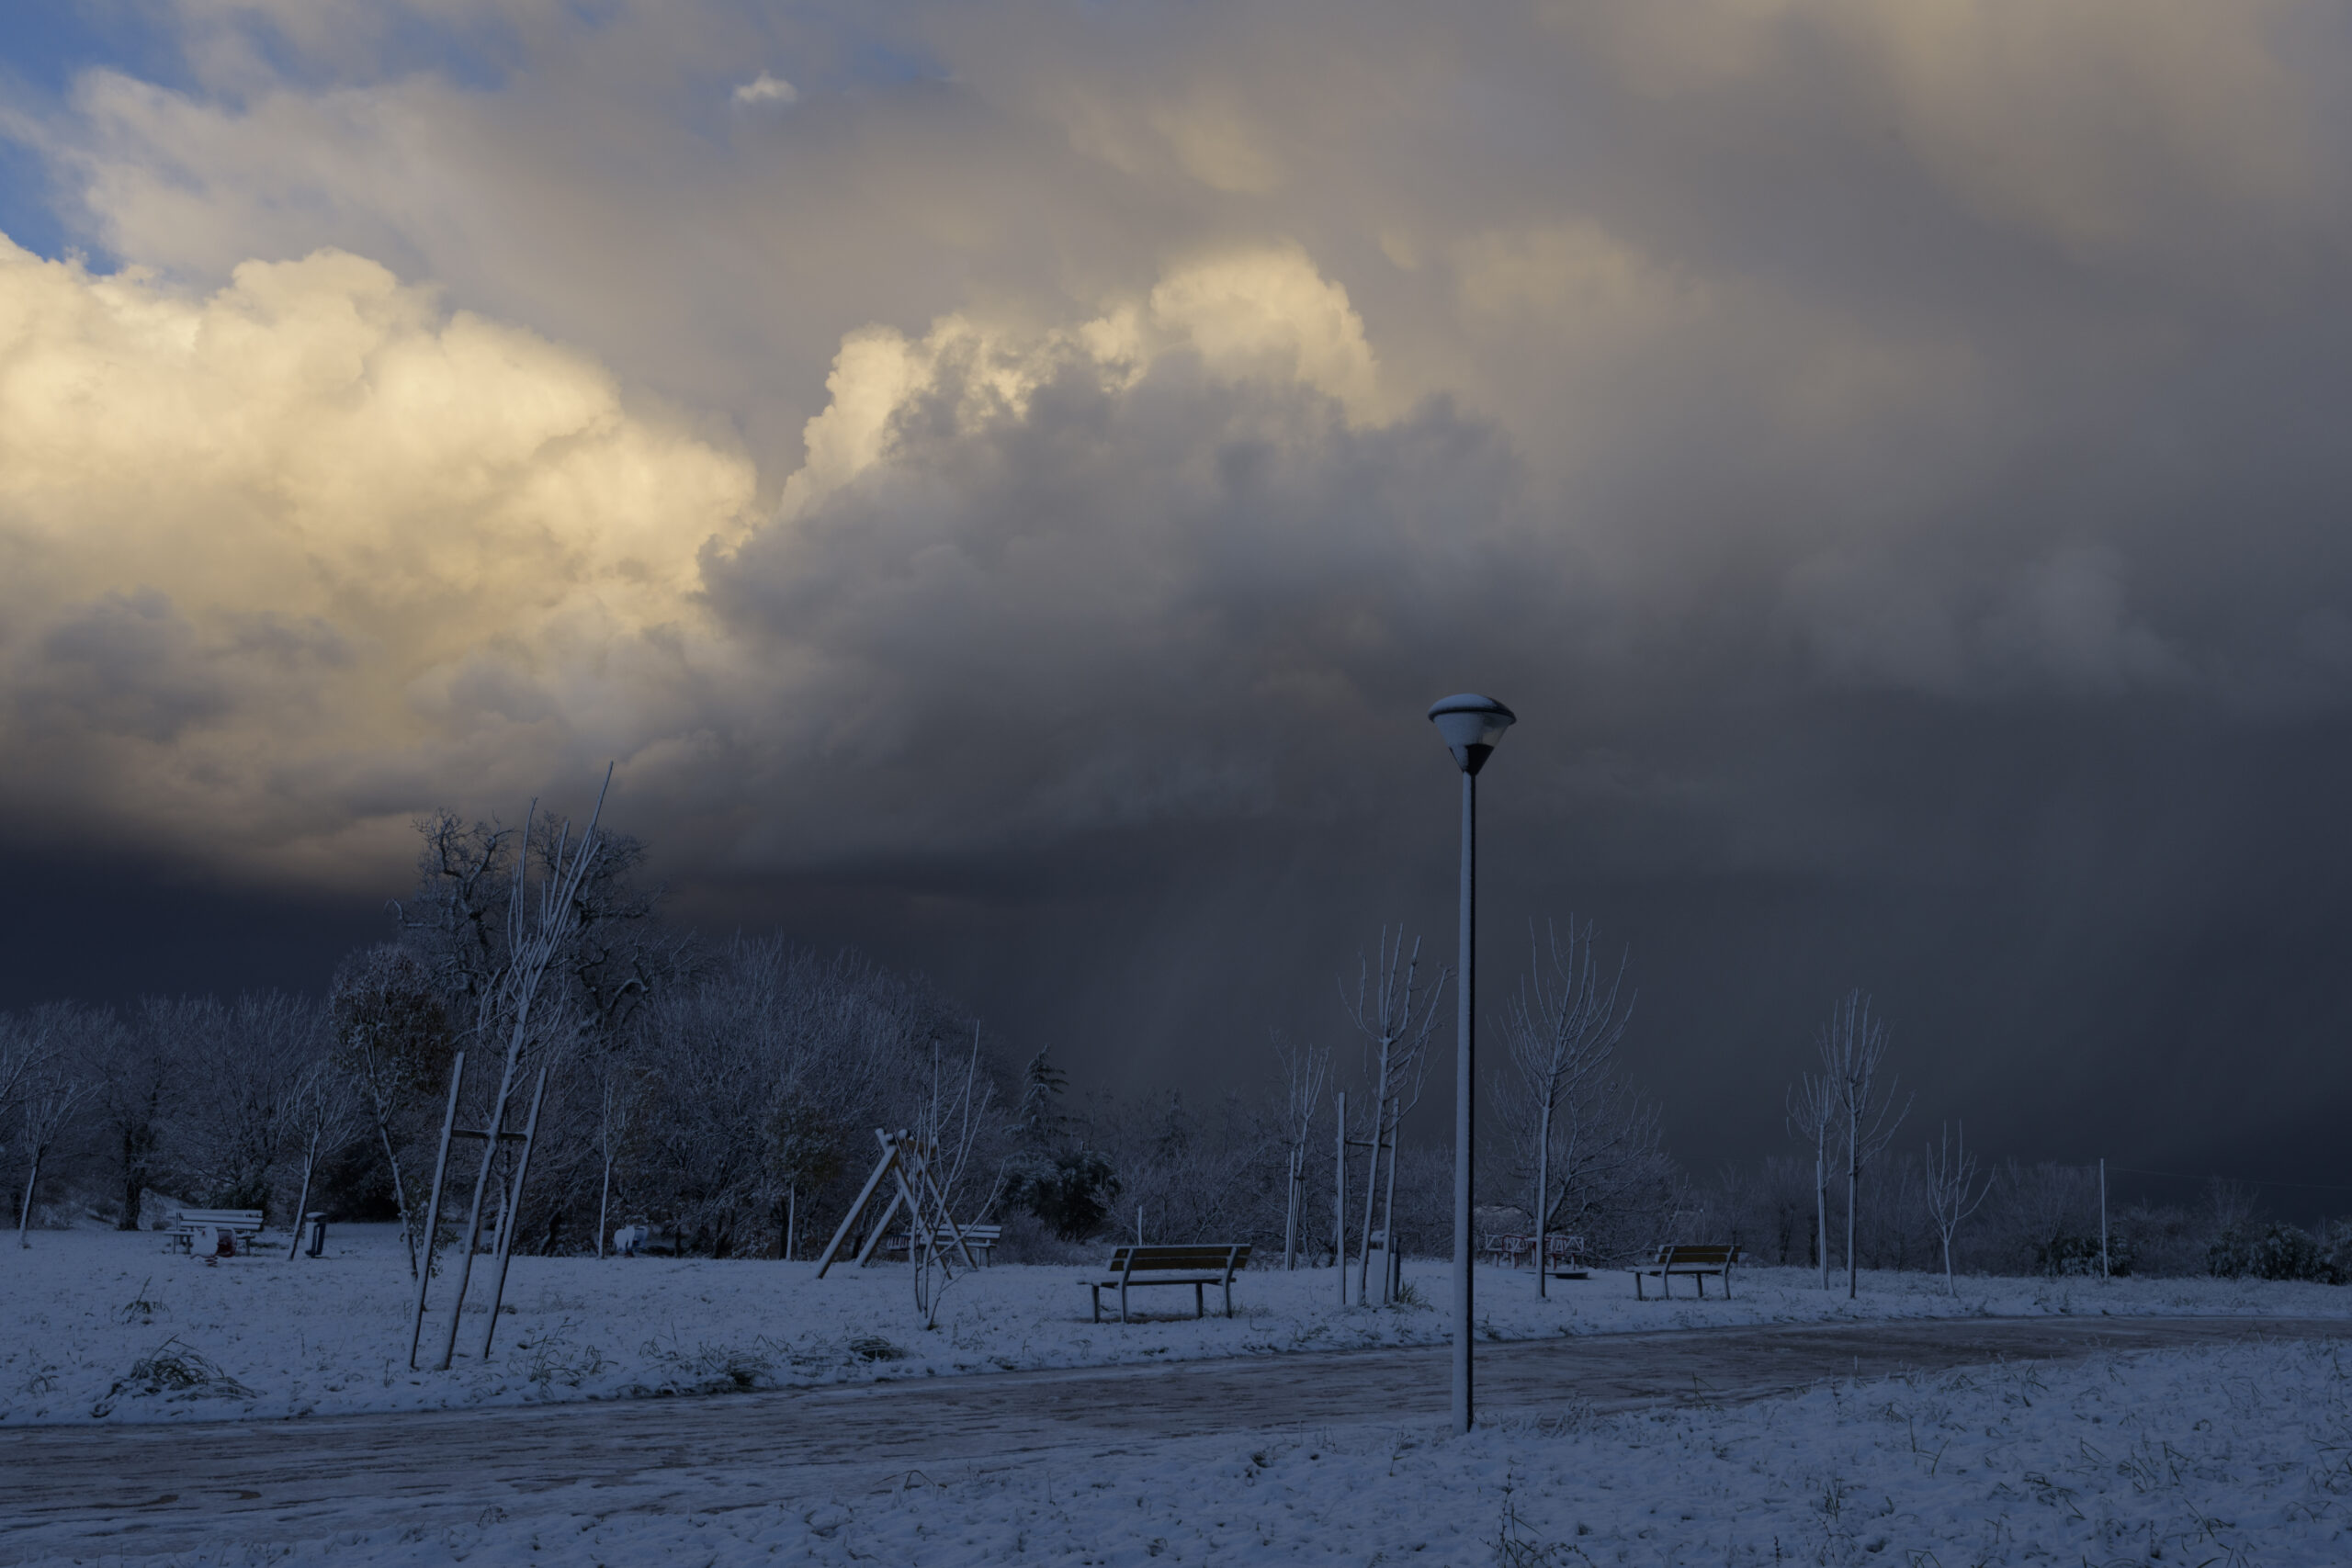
(1228, 1295)
(1198, 1309)
(1122, 1300)
(1098, 1302)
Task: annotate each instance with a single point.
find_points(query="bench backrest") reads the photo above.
(1133, 1259)
(1705, 1254)
(969, 1233)
(249, 1219)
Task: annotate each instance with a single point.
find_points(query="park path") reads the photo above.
(132, 1489)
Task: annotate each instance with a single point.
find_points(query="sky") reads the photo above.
(1003, 483)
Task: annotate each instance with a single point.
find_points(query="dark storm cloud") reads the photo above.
(1008, 498)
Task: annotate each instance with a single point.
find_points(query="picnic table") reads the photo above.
(240, 1224)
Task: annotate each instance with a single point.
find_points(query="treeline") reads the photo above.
(727, 1096)
(2037, 1219)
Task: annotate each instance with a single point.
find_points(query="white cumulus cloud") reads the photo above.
(766, 89)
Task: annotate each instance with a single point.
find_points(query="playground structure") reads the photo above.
(905, 1165)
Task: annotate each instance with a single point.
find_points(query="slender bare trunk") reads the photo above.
(399, 1195)
(1821, 1205)
(1854, 1191)
(1372, 1174)
(24, 1214)
(603, 1206)
(1290, 1212)
(1339, 1203)
(1388, 1221)
(310, 1165)
(1543, 1197)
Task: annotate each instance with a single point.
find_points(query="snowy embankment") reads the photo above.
(111, 1325)
(2234, 1455)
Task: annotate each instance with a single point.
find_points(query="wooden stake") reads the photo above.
(432, 1207)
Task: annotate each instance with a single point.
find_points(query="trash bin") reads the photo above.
(315, 1227)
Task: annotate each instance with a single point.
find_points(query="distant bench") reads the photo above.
(242, 1224)
(1198, 1266)
(1695, 1259)
(981, 1239)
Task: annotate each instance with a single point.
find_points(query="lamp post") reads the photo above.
(1471, 725)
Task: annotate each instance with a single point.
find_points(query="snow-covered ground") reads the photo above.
(2235, 1455)
(264, 1338)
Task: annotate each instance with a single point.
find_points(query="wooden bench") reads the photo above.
(980, 1238)
(1198, 1266)
(242, 1224)
(1695, 1259)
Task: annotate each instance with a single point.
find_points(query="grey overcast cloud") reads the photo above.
(1004, 484)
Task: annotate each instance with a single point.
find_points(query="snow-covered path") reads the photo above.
(147, 1489)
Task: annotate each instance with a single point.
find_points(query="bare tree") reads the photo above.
(24, 1046)
(326, 1117)
(1395, 1012)
(615, 953)
(234, 1123)
(50, 1093)
(141, 1068)
(618, 1094)
(1813, 1116)
(393, 1041)
(1853, 1060)
(537, 930)
(948, 1132)
(1952, 1190)
(1307, 1071)
(1562, 1030)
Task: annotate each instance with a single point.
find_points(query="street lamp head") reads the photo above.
(1471, 725)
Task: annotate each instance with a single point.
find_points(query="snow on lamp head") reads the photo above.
(1471, 725)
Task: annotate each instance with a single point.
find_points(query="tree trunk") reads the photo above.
(1853, 1189)
(1543, 1197)
(1389, 1219)
(134, 1177)
(1339, 1201)
(1290, 1210)
(1371, 1175)
(1821, 1205)
(604, 1205)
(24, 1214)
(310, 1165)
(400, 1193)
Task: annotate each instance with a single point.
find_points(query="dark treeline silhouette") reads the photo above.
(725, 1096)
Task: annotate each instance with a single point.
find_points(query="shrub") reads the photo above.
(2280, 1251)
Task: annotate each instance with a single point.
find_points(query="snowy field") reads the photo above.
(109, 1325)
(2238, 1455)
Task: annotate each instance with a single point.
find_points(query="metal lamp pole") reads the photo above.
(1471, 725)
